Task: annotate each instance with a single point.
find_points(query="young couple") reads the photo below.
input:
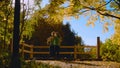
(54, 41)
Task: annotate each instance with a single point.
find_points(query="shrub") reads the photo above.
(4, 59)
(110, 51)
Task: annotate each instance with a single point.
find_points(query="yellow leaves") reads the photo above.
(89, 2)
(92, 19)
(101, 16)
(68, 10)
(68, 17)
(117, 21)
(117, 26)
(106, 24)
(55, 19)
(116, 37)
(90, 23)
(76, 16)
(105, 27)
(71, 3)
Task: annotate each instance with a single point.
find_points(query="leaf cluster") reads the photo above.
(110, 51)
(116, 36)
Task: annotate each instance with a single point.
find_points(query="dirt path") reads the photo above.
(81, 64)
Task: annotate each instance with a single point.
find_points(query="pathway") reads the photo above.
(81, 64)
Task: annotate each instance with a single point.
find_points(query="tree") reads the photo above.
(79, 40)
(116, 36)
(106, 12)
(15, 60)
(101, 10)
(26, 26)
(68, 36)
(43, 30)
(6, 18)
(110, 51)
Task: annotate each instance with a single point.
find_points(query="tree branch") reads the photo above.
(84, 11)
(118, 3)
(104, 5)
(105, 14)
(109, 15)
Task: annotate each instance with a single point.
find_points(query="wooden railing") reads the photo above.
(75, 52)
(75, 47)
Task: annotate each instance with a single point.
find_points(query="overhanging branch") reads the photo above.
(104, 14)
(109, 15)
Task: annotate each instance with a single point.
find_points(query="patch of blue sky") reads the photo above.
(108, 6)
(89, 34)
(66, 4)
(44, 3)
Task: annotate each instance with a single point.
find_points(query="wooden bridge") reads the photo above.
(31, 51)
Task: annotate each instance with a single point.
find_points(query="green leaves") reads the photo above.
(110, 51)
(116, 37)
(6, 23)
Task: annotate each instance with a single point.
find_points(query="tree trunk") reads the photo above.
(15, 60)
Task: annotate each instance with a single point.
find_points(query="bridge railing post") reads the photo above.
(22, 50)
(98, 48)
(75, 50)
(31, 51)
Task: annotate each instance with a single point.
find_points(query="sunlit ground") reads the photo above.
(80, 64)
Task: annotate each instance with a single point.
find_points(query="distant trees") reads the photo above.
(68, 35)
(43, 30)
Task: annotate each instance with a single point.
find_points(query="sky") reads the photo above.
(89, 34)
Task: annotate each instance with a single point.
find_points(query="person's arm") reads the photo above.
(48, 41)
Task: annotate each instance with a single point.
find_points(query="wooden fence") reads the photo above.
(75, 47)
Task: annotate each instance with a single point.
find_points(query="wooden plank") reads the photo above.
(40, 52)
(41, 46)
(49, 46)
(66, 52)
(44, 46)
(26, 45)
(67, 46)
(85, 52)
(48, 52)
(86, 46)
(26, 51)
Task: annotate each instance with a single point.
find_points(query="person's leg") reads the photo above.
(51, 51)
(54, 51)
(57, 51)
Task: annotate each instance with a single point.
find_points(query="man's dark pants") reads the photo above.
(54, 51)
